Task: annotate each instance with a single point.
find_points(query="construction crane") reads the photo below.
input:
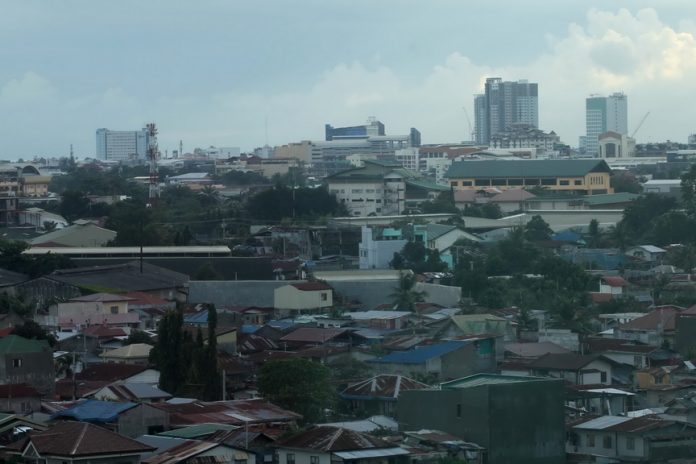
(640, 124)
(472, 134)
(152, 156)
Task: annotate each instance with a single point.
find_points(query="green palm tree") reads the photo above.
(405, 295)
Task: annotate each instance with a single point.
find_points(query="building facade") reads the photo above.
(603, 114)
(520, 135)
(505, 103)
(122, 145)
(583, 177)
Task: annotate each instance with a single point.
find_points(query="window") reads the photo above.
(548, 181)
(356, 191)
(466, 183)
(603, 377)
(514, 181)
(17, 362)
(630, 443)
(454, 184)
(606, 442)
(482, 182)
(314, 460)
(590, 440)
(459, 410)
(638, 361)
(563, 182)
(324, 296)
(499, 182)
(578, 182)
(290, 458)
(114, 309)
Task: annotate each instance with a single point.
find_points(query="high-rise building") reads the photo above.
(603, 114)
(122, 145)
(505, 103)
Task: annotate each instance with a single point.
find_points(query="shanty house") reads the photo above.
(378, 394)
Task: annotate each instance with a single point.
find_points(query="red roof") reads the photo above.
(311, 286)
(81, 439)
(601, 297)
(312, 335)
(662, 317)
(103, 331)
(109, 372)
(332, 439)
(237, 412)
(145, 299)
(6, 331)
(18, 390)
(615, 281)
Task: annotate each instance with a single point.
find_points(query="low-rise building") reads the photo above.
(379, 394)
(327, 444)
(631, 439)
(517, 419)
(137, 353)
(28, 362)
(300, 297)
(581, 177)
(574, 368)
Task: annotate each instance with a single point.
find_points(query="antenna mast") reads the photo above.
(152, 156)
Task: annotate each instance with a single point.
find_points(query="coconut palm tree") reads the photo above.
(405, 295)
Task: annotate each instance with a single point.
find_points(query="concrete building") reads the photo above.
(517, 419)
(97, 304)
(504, 104)
(380, 187)
(377, 247)
(122, 145)
(302, 297)
(615, 145)
(582, 177)
(27, 361)
(520, 135)
(603, 114)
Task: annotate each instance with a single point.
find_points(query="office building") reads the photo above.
(122, 145)
(372, 128)
(505, 103)
(603, 114)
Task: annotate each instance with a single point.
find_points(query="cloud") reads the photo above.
(636, 52)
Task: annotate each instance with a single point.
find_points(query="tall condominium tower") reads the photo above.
(603, 114)
(504, 104)
(122, 145)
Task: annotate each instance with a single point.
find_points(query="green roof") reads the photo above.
(197, 430)
(526, 168)
(610, 198)
(488, 379)
(427, 185)
(15, 344)
(374, 170)
(438, 230)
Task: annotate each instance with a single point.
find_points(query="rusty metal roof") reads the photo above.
(385, 387)
(332, 439)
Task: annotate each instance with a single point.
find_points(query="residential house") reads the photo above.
(303, 297)
(581, 177)
(225, 336)
(95, 376)
(574, 368)
(95, 304)
(517, 419)
(78, 442)
(532, 350)
(136, 353)
(388, 320)
(468, 325)
(646, 253)
(379, 394)
(80, 234)
(246, 413)
(444, 360)
(195, 451)
(19, 398)
(305, 337)
(612, 285)
(658, 327)
(326, 445)
(631, 439)
(28, 362)
(126, 418)
(38, 218)
(381, 188)
(636, 354)
(132, 392)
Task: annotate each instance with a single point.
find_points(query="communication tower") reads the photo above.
(152, 156)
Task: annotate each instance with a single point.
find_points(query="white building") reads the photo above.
(408, 157)
(615, 145)
(122, 145)
(603, 114)
(377, 247)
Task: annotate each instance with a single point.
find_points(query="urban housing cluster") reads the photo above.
(363, 299)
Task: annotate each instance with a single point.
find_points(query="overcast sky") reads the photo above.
(213, 72)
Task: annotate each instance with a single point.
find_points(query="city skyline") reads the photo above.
(194, 70)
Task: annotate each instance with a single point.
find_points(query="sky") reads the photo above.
(246, 73)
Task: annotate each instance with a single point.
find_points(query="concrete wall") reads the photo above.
(138, 421)
(516, 422)
(35, 369)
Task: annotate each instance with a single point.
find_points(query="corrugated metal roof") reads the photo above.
(373, 453)
(95, 410)
(489, 379)
(198, 430)
(421, 354)
(601, 423)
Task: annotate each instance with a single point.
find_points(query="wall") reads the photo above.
(138, 420)
(516, 422)
(302, 457)
(79, 308)
(36, 369)
(289, 297)
(377, 254)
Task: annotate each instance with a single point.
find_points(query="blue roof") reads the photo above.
(249, 328)
(200, 317)
(421, 354)
(95, 411)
